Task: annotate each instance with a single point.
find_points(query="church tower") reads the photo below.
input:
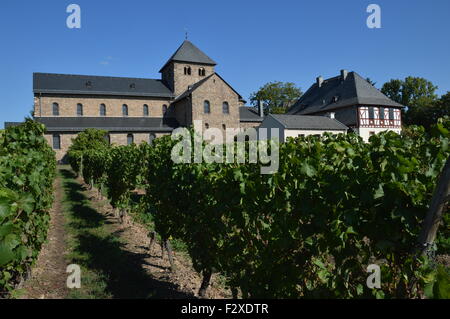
(187, 66)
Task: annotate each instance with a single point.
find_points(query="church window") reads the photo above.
(56, 142)
(125, 110)
(164, 109)
(225, 108)
(145, 110)
(201, 72)
(187, 70)
(80, 109)
(102, 110)
(207, 107)
(130, 139)
(55, 109)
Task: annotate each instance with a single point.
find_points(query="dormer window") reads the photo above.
(132, 86)
(187, 70)
(88, 84)
(202, 72)
(335, 99)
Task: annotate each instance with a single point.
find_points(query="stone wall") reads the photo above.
(216, 91)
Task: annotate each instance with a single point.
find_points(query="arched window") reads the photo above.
(207, 107)
(224, 127)
(102, 110)
(56, 142)
(225, 108)
(130, 139)
(145, 110)
(206, 125)
(125, 110)
(164, 109)
(80, 109)
(187, 70)
(55, 109)
(201, 72)
(152, 137)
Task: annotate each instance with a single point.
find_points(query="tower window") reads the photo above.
(187, 70)
(202, 72)
(80, 109)
(225, 108)
(125, 110)
(164, 109)
(102, 110)
(55, 109)
(130, 139)
(207, 107)
(56, 142)
(145, 110)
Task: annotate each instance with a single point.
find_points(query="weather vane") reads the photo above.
(186, 32)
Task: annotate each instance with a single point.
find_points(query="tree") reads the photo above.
(418, 94)
(89, 139)
(276, 97)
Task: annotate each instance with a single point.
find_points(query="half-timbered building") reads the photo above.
(353, 101)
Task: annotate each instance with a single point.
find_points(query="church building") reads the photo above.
(134, 110)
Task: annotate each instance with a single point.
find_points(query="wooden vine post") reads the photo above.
(436, 210)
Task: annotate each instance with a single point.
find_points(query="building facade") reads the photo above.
(134, 110)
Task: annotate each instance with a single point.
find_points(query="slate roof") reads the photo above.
(98, 85)
(111, 124)
(188, 52)
(354, 90)
(306, 122)
(249, 114)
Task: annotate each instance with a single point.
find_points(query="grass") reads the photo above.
(108, 269)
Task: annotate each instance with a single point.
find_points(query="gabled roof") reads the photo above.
(305, 122)
(336, 93)
(98, 85)
(188, 52)
(198, 84)
(249, 114)
(111, 124)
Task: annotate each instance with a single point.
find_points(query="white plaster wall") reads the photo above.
(364, 132)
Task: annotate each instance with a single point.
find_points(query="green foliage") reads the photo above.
(27, 170)
(418, 94)
(276, 97)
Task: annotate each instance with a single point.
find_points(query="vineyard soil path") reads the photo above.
(142, 273)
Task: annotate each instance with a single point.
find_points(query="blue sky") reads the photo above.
(253, 41)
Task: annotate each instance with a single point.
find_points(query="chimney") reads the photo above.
(319, 81)
(260, 109)
(344, 74)
(331, 115)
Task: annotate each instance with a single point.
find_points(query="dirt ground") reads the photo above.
(48, 280)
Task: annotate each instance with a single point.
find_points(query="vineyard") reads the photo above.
(27, 171)
(335, 206)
